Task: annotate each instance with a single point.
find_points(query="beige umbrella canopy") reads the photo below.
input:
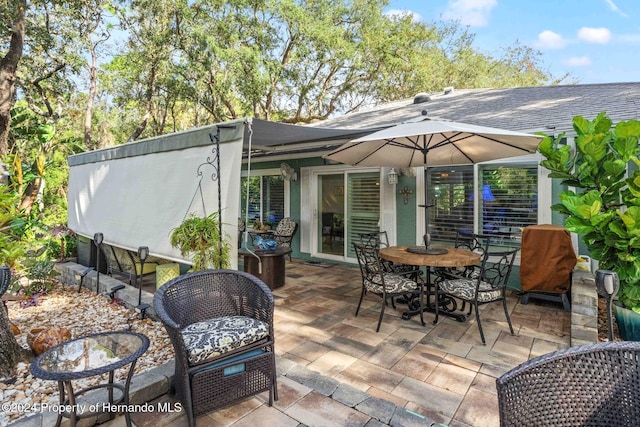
(434, 143)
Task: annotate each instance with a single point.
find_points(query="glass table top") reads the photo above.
(91, 354)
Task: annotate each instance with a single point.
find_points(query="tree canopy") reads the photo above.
(108, 71)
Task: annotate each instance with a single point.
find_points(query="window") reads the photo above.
(508, 199)
(451, 198)
(363, 206)
(266, 198)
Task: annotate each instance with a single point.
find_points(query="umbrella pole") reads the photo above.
(427, 236)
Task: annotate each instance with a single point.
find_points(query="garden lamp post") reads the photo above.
(608, 283)
(143, 253)
(98, 238)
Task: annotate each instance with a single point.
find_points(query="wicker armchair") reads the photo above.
(589, 385)
(220, 323)
(284, 233)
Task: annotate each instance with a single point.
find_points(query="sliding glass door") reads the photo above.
(348, 204)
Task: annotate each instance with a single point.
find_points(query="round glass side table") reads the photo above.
(88, 356)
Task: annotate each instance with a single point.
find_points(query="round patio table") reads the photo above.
(85, 357)
(454, 257)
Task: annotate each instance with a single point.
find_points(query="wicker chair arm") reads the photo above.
(165, 318)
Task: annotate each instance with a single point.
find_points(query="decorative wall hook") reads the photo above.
(406, 191)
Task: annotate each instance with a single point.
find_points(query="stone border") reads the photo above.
(149, 385)
(584, 309)
(71, 275)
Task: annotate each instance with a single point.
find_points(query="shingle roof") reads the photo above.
(528, 109)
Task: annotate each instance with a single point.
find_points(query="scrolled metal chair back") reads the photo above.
(497, 265)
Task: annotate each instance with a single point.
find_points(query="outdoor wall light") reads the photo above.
(608, 283)
(393, 177)
(98, 238)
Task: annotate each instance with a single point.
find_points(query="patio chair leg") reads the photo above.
(360, 303)
(275, 388)
(435, 304)
(381, 315)
(506, 313)
(420, 306)
(273, 391)
(479, 324)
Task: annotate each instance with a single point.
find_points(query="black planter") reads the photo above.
(628, 322)
(5, 279)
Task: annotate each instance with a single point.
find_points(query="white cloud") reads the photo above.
(615, 8)
(550, 40)
(577, 61)
(400, 13)
(595, 35)
(474, 13)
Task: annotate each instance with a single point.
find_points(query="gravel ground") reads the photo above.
(82, 314)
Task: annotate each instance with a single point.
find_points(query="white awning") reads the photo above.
(135, 194)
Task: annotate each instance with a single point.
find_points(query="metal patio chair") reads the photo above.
(484, 286)
(384, 284)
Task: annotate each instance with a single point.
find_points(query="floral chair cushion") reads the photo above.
(284, 232)
(465, 289)
(395, 284)
(286, 227)
(211, 338)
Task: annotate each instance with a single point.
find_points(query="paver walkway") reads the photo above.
(441, 372)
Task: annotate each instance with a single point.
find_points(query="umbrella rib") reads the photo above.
(488, 138)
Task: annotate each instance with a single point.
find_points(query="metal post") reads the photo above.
(608, 283)
(98, 238)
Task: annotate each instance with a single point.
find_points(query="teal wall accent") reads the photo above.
(406, 214)
(295, 208)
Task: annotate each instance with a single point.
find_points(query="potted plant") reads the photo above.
(200, 238)
(605, 209)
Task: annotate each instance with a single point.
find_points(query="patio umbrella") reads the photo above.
(434, 143)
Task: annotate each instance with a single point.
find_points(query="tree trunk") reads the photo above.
(10, 351)
(8, 70)
(93, 76)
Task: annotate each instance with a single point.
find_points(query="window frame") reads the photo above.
(262, 173)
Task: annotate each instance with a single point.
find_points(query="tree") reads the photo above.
(294, 61)
(605, 209)
(11, 249)
(16, 11)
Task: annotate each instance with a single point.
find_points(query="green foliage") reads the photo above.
(11, 224)
(41, 276)
(189, 63)
(606, 210)
(200, 238)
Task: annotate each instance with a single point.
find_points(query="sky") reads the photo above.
(596, 41)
